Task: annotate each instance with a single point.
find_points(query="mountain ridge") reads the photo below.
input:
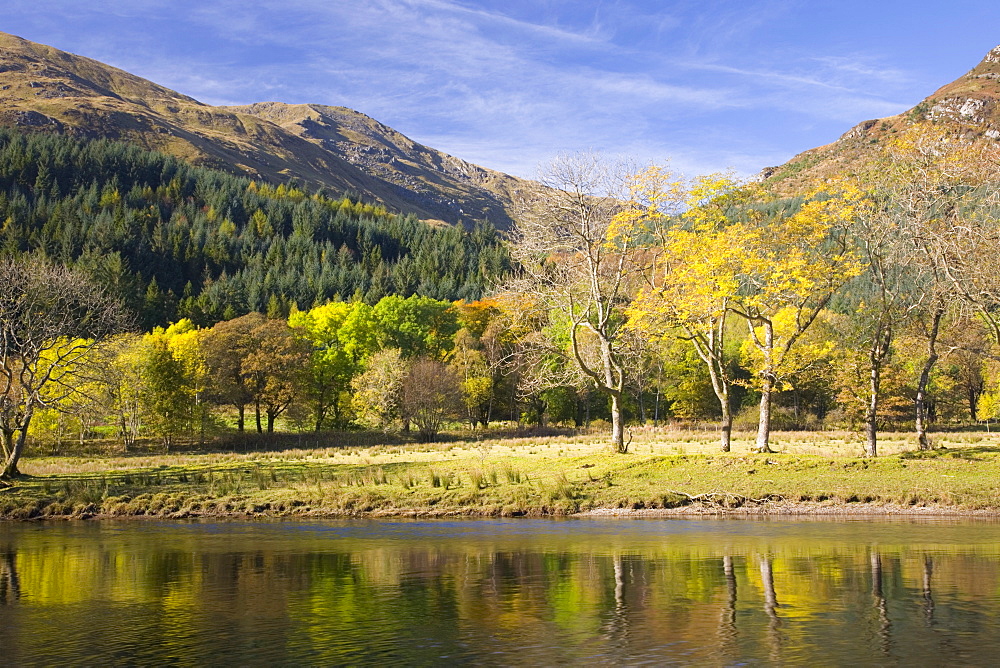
(968, 107)
(45, 89)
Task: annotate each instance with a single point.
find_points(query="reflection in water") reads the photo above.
(618, 623)
(881, 607)
(770, 608)
(928, 597)
(498, 592)
(728, 634)
(10, 587)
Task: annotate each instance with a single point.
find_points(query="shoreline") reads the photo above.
(771, 509)
(537, 477)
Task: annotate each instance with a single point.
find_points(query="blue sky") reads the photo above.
(707, 84)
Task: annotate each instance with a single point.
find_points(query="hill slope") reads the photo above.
(45, 89)
(967, 107)
(175, 240)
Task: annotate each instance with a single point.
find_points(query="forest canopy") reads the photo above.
(177, 241)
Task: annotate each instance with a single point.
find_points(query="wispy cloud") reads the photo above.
(508, 83)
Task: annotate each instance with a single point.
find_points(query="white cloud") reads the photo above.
(509, 83)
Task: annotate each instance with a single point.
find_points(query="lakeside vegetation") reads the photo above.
(513, 476)
(635, 297)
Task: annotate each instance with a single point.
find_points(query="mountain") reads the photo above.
(45, 89)
(968, 107)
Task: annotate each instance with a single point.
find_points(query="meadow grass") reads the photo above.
(533, 475)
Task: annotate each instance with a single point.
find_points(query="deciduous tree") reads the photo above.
(51, 319)
(575, 243)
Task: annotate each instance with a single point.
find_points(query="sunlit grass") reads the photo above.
(530, 475)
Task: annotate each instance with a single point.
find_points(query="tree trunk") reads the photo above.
(764, 421)
(877, 355)
(871, 412)
(13, 448)
(727, 426)
(12, 442)
(923, 441)
(10, 457)
(617, 429)
(241, 419)
(256, 407)
(710, 349)
(768, 379)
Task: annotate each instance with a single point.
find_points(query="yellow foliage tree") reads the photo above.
(694, 278)
(790, 264)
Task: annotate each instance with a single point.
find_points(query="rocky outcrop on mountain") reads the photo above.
(968, 107)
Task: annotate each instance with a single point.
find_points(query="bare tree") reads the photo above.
(888, 295)
(431, 396)
(575, 245)
(51, 319)
(942, 189)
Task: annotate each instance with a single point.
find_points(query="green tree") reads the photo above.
(341, 335)
(418, 326)
(166, 396)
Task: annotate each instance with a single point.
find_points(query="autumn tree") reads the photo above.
(275, 367)
(122, 381)
(255, 361)
(881, 301)
(51, 319)
(575, 243)
(377, 390)
(431, 396)
(940, 193)
(694, 282)
(225, 345)
(469, 364)
(792, 258)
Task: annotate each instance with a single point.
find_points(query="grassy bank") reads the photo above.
(511, 477)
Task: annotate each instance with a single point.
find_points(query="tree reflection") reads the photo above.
(771, 608)
(928, 597)
(618, 626)
(10, 584)
(518, 599)
(881, 607)
(727, 622)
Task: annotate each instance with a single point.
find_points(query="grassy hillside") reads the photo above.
(967, 108)
(48, 90)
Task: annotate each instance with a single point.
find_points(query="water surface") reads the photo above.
(495, 592)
